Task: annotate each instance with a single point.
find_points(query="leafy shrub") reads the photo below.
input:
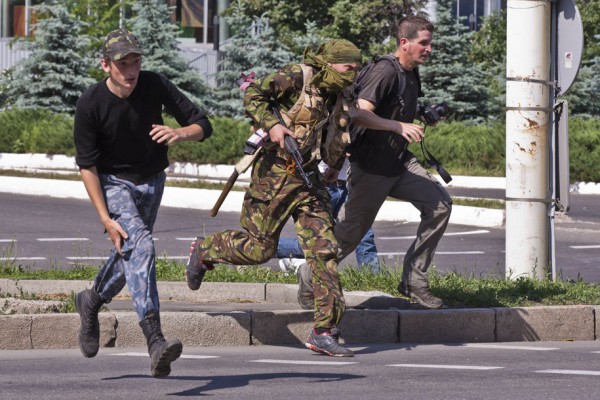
(225, 146)
(462, 148)
(584, 152)
(476, 148)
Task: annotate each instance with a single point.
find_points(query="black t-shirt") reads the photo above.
(384, 152)
(113, 133)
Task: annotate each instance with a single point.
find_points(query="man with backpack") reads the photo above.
(381, 166)
(293, 102)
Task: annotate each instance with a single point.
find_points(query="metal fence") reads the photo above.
(9, 54)
(204, 61)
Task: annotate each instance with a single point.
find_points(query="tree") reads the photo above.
(370, 24)
(583, 95)
(152, 25)
(590, 18)
(254, 48)
(488, 50)
(55, 74)
(288, 18)
(448, 76)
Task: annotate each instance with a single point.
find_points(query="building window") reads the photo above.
(16, 17)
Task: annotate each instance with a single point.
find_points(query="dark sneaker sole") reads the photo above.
(194, 284)
(323, 351)
(163, 366)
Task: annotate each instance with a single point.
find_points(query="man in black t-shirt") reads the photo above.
(381, 166)
(121, 143)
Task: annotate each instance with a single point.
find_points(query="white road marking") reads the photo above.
(437, 366)
(568, 372)
(508, 347)
(191, 356)
(477, 232)
(448, 253)
(298, 362)
(86, 258)
(593, 246)
(186, 239)
(62, 239)
(8, 240)
(22, 258)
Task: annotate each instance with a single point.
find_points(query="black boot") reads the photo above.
(88, 303)
(162, 352)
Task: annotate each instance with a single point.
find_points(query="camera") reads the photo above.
(430, 115)
(255, 141)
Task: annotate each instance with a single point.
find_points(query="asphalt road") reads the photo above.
(478, 371)
(44, 232)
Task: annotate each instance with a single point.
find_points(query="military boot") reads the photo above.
(162, 352)
(88, 304)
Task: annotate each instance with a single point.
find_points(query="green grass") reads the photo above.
(483, 203)
(456, 290)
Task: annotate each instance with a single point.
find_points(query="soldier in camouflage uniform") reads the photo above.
(121, 145)
(305, 95)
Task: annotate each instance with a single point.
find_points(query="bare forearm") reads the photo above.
(91, 181)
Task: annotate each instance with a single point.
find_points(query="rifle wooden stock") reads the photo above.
(224, 193)
(241, 167)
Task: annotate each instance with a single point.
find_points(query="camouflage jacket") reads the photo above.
(305, 111)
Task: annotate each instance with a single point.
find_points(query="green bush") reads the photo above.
(463, 149)
(36, 131)
(584, 152)
(478, 149)
(225, 146)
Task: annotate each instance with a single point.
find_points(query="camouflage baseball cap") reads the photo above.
(119, 43)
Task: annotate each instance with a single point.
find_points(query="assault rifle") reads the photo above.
(291, 147)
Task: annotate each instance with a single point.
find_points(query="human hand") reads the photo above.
(163, 134)
(116, 233)
(277, 134)
(410, 132)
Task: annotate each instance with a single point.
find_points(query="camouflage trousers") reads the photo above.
(271, 199)
(135, 208)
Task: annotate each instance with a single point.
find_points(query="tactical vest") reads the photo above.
(306, 119)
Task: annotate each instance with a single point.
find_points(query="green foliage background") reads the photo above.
(463, 148)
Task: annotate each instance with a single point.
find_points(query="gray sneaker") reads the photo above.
(195, 267)
(306, 297)
(328, 343)
(421, 294)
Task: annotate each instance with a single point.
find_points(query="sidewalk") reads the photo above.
(243, 314)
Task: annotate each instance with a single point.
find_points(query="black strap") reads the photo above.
(433, 162)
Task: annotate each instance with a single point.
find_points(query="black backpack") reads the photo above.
(401, 81)
(357, 132)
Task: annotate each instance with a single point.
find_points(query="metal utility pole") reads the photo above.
(528, 114)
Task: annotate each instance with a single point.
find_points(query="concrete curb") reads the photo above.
(386, 321)
(290, 327)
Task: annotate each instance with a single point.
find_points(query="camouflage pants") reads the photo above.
(135, 208)
(272, 198)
